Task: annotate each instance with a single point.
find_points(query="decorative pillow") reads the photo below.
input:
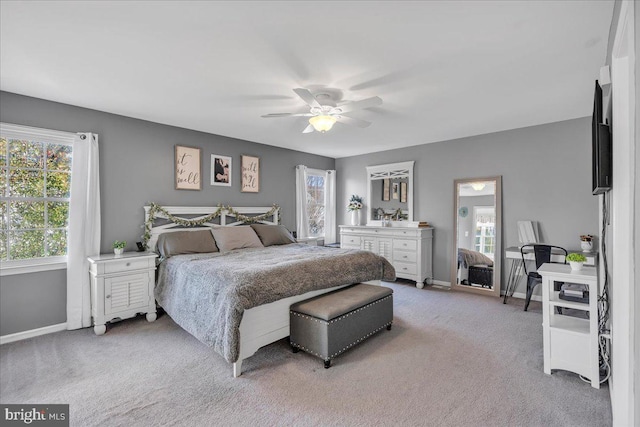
(273, 234)
(186, 242)
(236, 237)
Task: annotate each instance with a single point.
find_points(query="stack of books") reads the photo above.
(422, 224)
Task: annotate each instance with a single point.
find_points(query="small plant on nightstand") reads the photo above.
(576, 260)
(118, 246)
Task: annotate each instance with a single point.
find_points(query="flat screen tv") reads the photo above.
(601, 155)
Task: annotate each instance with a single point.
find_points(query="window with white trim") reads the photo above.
(316, 181)
(35, 184)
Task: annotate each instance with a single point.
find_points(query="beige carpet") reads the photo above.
(451, 359)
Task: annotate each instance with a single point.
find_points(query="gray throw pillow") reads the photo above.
(236, 237)
(273, 234)
(186, 242)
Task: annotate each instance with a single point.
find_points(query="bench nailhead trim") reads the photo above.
(337, 319)
(306, 350)
(324, 322)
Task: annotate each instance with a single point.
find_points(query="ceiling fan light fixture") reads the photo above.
(322, 123)
(478, 186)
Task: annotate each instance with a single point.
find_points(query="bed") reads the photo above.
(474, 268)
(237, 300)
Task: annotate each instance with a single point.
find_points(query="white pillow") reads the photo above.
(236, 237)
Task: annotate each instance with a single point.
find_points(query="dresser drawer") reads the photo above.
(350, 241)
(125, 265)
(403, 256)
(405, 268)
(405, 233)
(405, 244)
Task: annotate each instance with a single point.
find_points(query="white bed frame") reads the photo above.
(260, 325)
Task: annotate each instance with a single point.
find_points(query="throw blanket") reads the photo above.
(468, 258)
(206, 294)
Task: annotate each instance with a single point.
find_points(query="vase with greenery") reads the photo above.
(118, 246)
(354, 206)
(576, 260)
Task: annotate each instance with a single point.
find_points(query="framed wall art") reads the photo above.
(395, 192)
(403, 192)
(250, 174)
(220, 170)
(188, 168)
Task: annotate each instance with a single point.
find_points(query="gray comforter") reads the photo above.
(206, 294)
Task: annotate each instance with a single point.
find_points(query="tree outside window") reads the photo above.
(316, 204)
(35, 184)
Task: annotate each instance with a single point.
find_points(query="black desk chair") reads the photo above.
(542, 254)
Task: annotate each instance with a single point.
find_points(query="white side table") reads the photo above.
(570, 343)
(122, 287)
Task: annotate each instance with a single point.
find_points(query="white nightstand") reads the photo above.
(122, 287)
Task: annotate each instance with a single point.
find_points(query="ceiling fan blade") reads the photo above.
(307, 97)
(308, 129)
(272, 115)
(359, 105)
(355, 122)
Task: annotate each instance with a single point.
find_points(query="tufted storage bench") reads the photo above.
(330, 324)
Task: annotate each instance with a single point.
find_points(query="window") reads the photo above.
(35, 183)
(485, 237)
(316, 202)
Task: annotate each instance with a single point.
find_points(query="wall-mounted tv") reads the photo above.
(601, 154)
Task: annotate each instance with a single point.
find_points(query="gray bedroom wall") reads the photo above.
(546, 177)
(136, 167)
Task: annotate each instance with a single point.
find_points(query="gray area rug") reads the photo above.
(451, 359)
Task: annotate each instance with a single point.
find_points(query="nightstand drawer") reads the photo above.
(407, 245)
(126, 265)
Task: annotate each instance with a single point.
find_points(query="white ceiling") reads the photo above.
(444, 69)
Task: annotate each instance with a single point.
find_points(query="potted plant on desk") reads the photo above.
(118, 246)
(576, 260)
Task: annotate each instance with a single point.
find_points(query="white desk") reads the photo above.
(516, 269)
(570, 343)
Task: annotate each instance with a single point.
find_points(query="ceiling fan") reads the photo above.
(324, 112)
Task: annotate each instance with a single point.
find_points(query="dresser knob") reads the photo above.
(404, 256)
(108, 296)
(128, 264)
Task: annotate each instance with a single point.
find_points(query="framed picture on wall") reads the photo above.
(395, 192)
(385, 189)
(220, 170)
(403, 192)
(250, 174)
(188, 168)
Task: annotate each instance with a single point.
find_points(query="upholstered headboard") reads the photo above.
(165, 219)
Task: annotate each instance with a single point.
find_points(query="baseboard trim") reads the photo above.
(19, 336)
(441, 284)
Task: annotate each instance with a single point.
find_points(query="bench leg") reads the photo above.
(327, 364)
(388, 327)
(295, 349)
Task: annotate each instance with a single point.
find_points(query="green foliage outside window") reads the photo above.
(35, 184)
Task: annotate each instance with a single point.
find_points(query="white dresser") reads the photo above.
(409, 250)
(121, 287)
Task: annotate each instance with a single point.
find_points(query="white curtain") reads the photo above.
(330, 207)
(302, 217)
(84, 228)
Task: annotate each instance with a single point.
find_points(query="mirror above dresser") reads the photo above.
(389, 194)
